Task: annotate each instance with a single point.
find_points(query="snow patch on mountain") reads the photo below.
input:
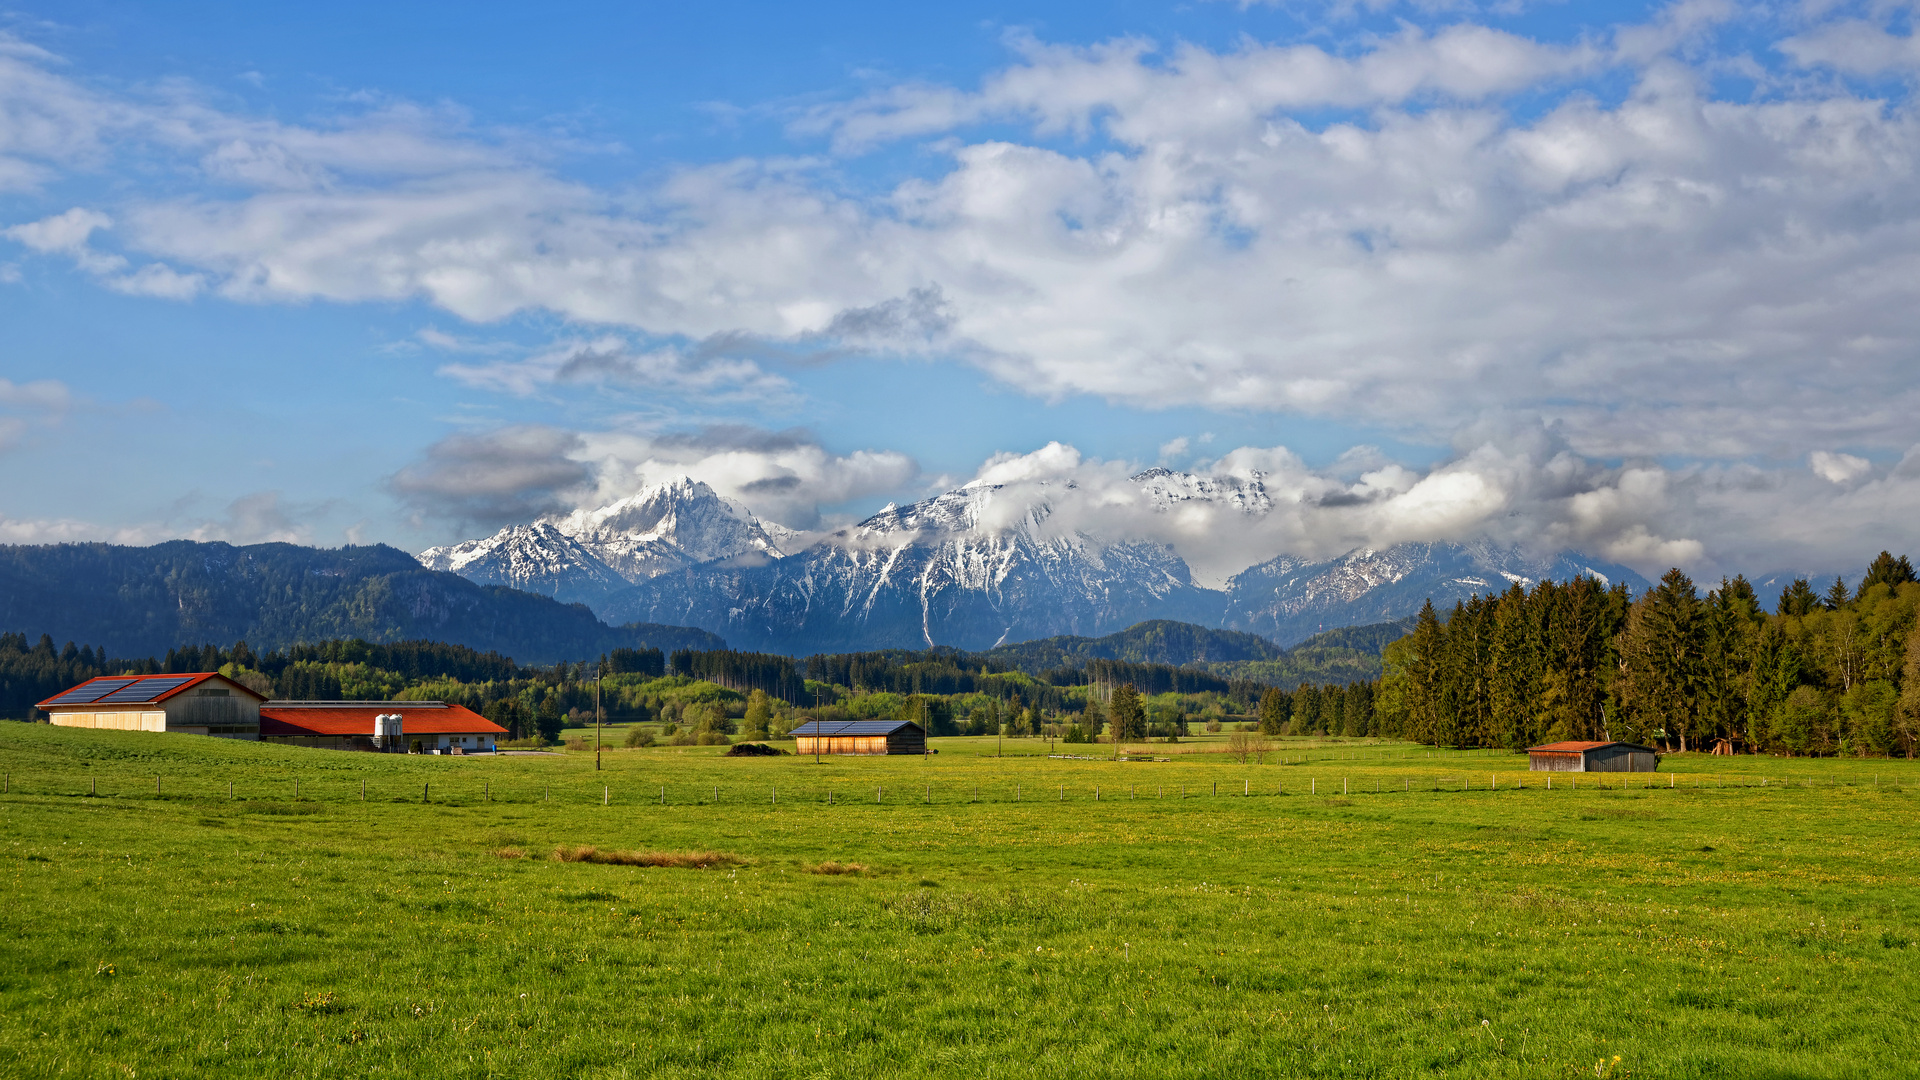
(590, 554)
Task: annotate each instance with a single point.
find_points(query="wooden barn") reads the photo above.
(859, 737)
(201, 703)
(1592, 757)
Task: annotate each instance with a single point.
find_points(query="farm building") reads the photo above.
(859, 737)
(430, 727)
(1592, 757)
(206, 703)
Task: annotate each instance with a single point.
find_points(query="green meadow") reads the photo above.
(1358, 910)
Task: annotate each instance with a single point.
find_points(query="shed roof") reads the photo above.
(356, 718)
(853, 727)
(1582, 747)
(137, 689)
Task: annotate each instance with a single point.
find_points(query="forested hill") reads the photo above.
(1160, 641)
(139, 601)
(1349, 654)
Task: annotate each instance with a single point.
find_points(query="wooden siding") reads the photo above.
(904, 741)
(1600, 759)
(202, 710)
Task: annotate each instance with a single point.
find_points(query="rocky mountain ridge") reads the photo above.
(973, 568)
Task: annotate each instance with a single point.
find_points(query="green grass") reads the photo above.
(1714, 928)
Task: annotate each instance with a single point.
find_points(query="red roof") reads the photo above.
(1576, 747)
(356, 718)
(136, 689)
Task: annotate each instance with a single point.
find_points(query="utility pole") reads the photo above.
(598, 712)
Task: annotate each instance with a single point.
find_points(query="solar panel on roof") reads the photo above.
(146, 689)
(88, 693)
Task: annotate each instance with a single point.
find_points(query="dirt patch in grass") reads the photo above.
(837, 868)
(684, 860)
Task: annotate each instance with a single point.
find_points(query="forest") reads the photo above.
(1822, 674)
(1833, 673)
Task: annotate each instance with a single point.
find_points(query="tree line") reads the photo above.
(1822, 674)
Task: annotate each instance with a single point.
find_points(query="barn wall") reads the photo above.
(194, 709)
(1556, 763)
(859, 745)
(1621, 759)
(124, 718)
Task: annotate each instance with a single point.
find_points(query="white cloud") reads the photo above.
(519, 473)
(784, 476)
(1854, 46)
(1606, 266)
(611, 358)
(257, 518)
(43, 402)
(1838, 468)
(1362, 231)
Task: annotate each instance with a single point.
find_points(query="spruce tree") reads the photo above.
(1128, 718)
(1274, 708)
(1837, 595)
(1797, 599)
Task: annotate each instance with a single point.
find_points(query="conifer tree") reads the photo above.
(1797, 599)
(1129, 719)
(1837, 596)
(1274, 709)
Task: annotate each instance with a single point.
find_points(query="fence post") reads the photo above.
(93, 785)
(363, 790)
(424, 788)
(156, 785)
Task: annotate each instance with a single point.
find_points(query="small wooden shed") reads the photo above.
(1592, 757)
(859, 737)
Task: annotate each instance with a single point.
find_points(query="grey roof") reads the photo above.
(853, 727)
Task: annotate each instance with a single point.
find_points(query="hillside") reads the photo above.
(1349, 654)
(138, 601)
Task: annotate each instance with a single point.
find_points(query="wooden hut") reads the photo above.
(1592, 757)
(859, 737)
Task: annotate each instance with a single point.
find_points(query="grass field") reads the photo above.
(1438, 927)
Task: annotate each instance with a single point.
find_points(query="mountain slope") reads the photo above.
(588, 556)
(1158, 641)
(141, 601)
(1288, 599)
(930, 574)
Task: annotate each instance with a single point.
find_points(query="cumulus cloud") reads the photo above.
(517, 474)
(1255, 503)
(256, 518)
(1655, 273)
(1363, 230)
(1838, 468)
(494, 478)
(784, 476)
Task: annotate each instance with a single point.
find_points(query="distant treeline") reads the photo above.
(1823, 674)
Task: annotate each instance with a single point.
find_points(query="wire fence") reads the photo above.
(278, 794)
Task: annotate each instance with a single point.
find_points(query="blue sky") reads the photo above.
(1633, 278)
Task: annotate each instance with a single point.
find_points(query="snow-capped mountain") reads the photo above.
(965, 568)
(536, 558)
(589, 556)
(1289, 600)
(982, 565)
